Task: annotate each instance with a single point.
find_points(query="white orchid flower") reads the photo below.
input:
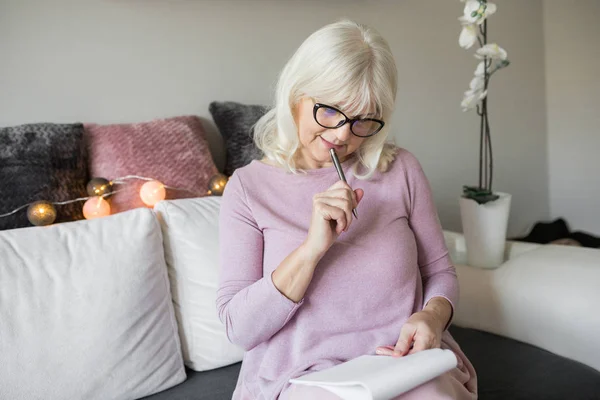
(471, 98)
(475, 12)
(477, 83)
(492, 51)
(479, 70)
(468, 36)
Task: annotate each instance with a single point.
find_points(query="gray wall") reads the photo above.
(118, 61)
(573, 110)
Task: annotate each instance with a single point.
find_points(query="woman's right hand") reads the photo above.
(331, 215)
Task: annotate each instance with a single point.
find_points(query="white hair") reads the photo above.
(344, 63)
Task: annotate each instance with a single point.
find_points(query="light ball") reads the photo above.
(217, 183)
(41, 213)
(152, 192)
(98, 187)
(96, 207)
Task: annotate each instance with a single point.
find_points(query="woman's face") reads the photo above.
(315, 141)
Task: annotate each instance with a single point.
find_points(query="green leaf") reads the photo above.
(480, 195)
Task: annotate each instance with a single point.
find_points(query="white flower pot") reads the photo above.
(484, 227)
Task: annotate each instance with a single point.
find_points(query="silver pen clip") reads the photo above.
(340, 172)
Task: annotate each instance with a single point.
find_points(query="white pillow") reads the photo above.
(547, 297)
(191, 239)
(86, 312)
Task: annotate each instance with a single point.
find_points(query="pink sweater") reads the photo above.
(386, 267)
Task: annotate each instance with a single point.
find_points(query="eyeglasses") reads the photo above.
(331, 118)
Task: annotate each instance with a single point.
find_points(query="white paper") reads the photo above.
(381, 377)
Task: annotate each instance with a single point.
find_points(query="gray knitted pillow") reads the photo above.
(42, 162)
(235, 122)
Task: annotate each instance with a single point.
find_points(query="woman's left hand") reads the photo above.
(423, 330)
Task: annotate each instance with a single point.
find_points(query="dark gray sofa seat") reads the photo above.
(506, 370)
(216, 384)
(511, 370)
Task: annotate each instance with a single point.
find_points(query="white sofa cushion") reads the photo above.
(86, 312)
(191, 240)
(547, 297)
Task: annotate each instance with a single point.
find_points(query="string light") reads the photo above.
(96, 207)
(99, 186)
(42, 212)
(216, 185)
(152, 192)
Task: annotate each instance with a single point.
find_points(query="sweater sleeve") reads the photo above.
(437, 271)
(249, 305)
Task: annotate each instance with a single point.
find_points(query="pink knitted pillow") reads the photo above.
(172, 150)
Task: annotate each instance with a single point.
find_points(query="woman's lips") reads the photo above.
(330, 145)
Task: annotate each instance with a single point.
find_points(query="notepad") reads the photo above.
(376, 377)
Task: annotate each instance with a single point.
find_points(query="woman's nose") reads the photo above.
(343, 133)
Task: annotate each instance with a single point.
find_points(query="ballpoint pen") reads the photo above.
(340, 172)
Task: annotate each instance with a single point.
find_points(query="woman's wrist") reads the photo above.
(441, 308)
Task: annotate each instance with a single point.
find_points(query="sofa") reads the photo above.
(123, 307)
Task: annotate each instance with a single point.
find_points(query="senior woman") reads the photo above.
(303, 284)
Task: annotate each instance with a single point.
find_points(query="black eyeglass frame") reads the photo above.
(346, 120)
